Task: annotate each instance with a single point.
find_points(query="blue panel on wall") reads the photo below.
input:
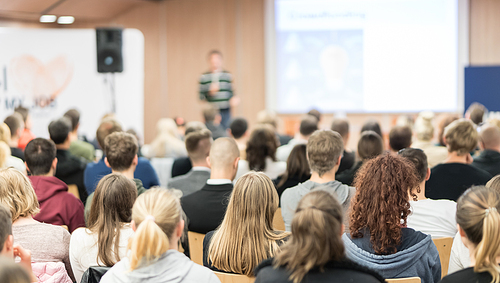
(482, 84)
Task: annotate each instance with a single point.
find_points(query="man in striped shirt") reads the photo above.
(216, 87)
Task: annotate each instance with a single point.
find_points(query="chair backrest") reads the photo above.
(234, 278)
(73, 189)
(196, 247)
(404, 280)
(278, 223)
(443, 246)
(163, 168)
(94, 274)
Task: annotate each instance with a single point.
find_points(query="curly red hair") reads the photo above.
(381, 203)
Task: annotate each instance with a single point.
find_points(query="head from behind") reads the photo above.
(40, 156)
(15, 124)
(25, 114)
(238, 128)
(443, 123)
(479, 226)
(166, 127)
(400, 137)
(262, 144)
(224, 157)
(4, 133)
(111, 208)
(316, 114)
(120, 149)
(383, 185)
(198, 146)
(6, 239)
(215, 60)
(419, 160)
(267, 117)
(11, 272)
(494, 183)
(308, 125)
(461, 137)
(341, 126)
(316, 235)
(106, 128)
(74, 116)
(370, 145)
(324, 150)
(372, 125)
(211, 114)
(158, 225)
(194, 126)
(489, 137)
(476, 112)
(59, 130)
(424, 129)
(17, 194)
(296, 164)
(4, 153)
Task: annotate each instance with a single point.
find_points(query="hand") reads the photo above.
(234, 101)
(25, 256)
(214, 88)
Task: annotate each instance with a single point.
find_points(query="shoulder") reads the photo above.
(463, 275)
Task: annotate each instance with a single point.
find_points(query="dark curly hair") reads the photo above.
(261, 144)
(381, 203)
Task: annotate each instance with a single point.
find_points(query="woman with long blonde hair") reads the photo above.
(246, 235)
(153, 255)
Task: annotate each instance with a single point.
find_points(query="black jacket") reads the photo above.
(489, 161)
(347, 161)
(70, 170)
(181, 166)
(292, 181)
(347, 177)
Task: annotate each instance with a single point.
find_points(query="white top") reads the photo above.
(17, 163)
(273, 169)
(284, 151)
(83, 249)
(459, 258)
(434, 217)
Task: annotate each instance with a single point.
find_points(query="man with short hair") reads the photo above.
(182, 165)
(324, 152)
(16, 127)
(79, 147)
(69, 167)
(489, 142)
(95, 171)
(57, 206)
(341, 126)
(198, 148)
(205, 208)
(213, 121)
(476, 112)
(399, 138)
(308, 125)
(26, 135)
(238, 130)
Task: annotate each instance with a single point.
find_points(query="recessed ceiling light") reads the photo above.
(48, 18)
(65, 20)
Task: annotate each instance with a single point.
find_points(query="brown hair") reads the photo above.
(400, 137)
(381, 201)
(107, 127)
(461, 136)
(340, 126)
(15, 122)
(74, 116)
(120, 149)
(198, 144)
(315, 240)
(296, 164)
(308, 125)
(11, 272)
(209, 113)
(261, 144)
(445, 121)
(323, 150)
(370, 145)
(476, 112)
(111, 208)
(17, 194)
(494, 183)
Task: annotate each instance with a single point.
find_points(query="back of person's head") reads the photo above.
(316, 235)
(246, 235)
(400, 137)
(39, 155)
(445, 120)
(476, 112)
(296, 164)
(372, 125)
(494, 121)
(107, 127)
(166, 126)
(340, 126)
(4, 133)
(59, 130)
(261, 145)
(156, 214)
(324, 148)
(382, 184)
(5, 227)
(198, 145)
(74, 116)
(419, 160)
(267, 117)
(17, 194)
(315, 113)
(15, 123)
(308, 125)
(238, 127)
(489, 136)
(209, 113)
(461, 136)
(223, 154)
(370, 145)
(194, 126)
(111, 208)
(25, 112)
(11, 272)
(423, 127)
(4, 153)
(120, 149)
(494, 183)
(478, 216)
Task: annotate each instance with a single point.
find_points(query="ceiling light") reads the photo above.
(65, 20)
(48, 18)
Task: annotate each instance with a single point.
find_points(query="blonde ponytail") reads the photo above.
(156, 214)
(488, 249)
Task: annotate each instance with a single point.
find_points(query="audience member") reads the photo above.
(182, 165)
(16, 127)
(267, 117)
(205, 208)
(372, 125)
(444, 121)
(341, 126)
(7, 160)
(316, 114)
(315, 252)
(308, 125)
(105, 241)
(95, 171)
(57, 206)
(476, 112)
(246, 235)
(153, 255)
(213, 121)
(378, 236)
(78, 147)
(297, 170)
(479, 226)
(167, 142)
(261, 154)
(69, 167)
(399, 138)
(324, 150)
(451, 178)
(433, 217)
(238, 130)
(424, 132)
(370, 145)
(489, 143)
(198, 147)
(47, 243)
(26, 136)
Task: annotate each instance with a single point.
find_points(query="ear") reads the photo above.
(106, 162)
(235, 164)
(8, 247)
(229, 133)
(444, 141)
(208, 162)
(54, 163)
(135, 161)
(132, 224)
(428, 176)
(27, 168)
(180, 228)
(338, 161)
(342, 229)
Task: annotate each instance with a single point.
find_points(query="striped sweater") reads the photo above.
(221, 98)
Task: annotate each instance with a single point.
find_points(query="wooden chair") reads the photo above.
(404, 280)
(196, 247)
(65, 227)
(443, 246)
(278, 222)
(234, 278)
(73, 189)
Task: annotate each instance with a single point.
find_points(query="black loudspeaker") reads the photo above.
(109, 50)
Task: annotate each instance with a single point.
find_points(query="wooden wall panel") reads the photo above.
(484, 32)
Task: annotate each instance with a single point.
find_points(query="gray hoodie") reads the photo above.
(171, 267)
(291, 197)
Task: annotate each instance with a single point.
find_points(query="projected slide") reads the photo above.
(366, 56)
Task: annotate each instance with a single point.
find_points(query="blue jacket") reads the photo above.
(421, 258)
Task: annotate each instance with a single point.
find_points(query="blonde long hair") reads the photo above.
(17, 194)
(156, 214)
(246, 235)
(166, 137)
(478, 215)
